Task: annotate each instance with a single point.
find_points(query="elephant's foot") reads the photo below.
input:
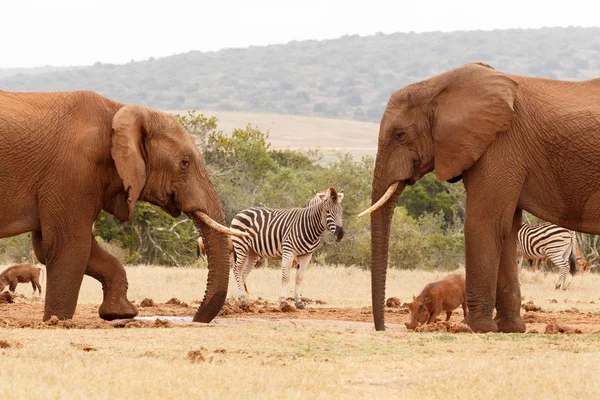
(119, 308)
(480, 323)
(510, 324)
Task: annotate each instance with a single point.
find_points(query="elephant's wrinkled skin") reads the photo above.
(68, 156)
(518, 143)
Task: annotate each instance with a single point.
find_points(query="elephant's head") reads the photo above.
(445, 124)
(159, 162)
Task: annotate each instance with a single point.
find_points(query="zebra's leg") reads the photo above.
(302, 263)
(251, 262)
(241, 256)
(563, 268)
(287, 259)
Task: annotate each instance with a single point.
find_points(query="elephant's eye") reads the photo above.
(399, 136)
(184, 164)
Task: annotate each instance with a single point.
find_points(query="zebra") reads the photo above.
(285, 233)
(549, 241)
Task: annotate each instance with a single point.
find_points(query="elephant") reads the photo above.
(518, 143)
(66, 156)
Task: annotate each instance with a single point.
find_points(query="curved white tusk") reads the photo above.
(386, 196)
(218, 227)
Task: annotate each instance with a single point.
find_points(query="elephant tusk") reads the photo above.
(386, 196)
(218, 227)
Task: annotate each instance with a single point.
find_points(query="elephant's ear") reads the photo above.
(129, 129)
(473, 104)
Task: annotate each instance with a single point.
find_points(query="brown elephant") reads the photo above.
(67, 156)
(22, 273)
(518, 143)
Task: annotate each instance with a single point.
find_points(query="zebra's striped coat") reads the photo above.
(285, 233)
(547, 240)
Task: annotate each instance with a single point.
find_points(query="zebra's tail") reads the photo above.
(573, 255)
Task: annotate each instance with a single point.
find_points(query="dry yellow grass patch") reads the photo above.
(279, 361)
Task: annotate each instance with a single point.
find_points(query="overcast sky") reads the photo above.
(81, 32)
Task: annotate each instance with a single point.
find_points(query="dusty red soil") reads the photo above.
(27, 313)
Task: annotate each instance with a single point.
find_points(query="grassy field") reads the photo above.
(277, 360)
(298, 133)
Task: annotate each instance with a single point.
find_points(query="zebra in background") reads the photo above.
(285, 233)
(546, 240)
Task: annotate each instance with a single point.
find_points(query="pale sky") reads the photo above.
(81, 32)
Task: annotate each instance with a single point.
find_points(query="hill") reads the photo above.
(349, 78)
(300, 133)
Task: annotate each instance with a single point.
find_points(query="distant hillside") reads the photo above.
(351, 77)
(301, 133)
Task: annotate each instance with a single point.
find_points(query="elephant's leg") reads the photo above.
(108, 270)
(302, 263)
(489, 219)
(508, 291)
(66, 254)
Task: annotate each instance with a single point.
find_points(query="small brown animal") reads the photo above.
(22, 273)
(444, 295)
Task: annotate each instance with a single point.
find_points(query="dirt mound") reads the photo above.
(556, 328)
(286, 308)
(177, 302)
(6, 298)
(530, 306)
(445, 326)
(147, 303)
(393, 302)
(162, 323)
(4, 344)
(83, 347)
(195, 356)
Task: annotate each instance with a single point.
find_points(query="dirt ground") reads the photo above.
(27, 313)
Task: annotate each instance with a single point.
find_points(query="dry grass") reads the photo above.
(296, 132)
(280, 361)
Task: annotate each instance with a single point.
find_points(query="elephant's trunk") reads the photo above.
(381, 220)
(217, 254)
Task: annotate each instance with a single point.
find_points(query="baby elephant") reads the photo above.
(21, 274)
(444, 295)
